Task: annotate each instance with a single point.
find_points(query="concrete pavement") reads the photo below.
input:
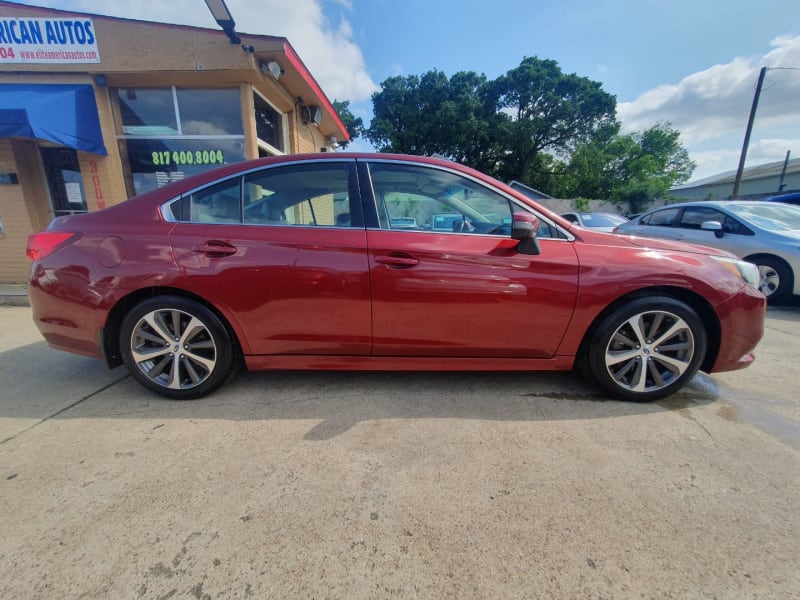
(380, 485)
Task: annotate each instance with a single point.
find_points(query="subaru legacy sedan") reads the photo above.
(294, 262)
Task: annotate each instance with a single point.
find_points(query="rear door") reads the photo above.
(282, 252)
(465, 292)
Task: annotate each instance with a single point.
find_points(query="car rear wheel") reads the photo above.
(177, 347)
(646, 349)
(775, 279)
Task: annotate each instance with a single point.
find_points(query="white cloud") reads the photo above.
(328, 51)
(711, 108)
(326, 48)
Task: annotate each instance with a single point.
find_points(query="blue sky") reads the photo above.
(691, 63)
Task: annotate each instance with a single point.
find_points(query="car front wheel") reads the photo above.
(646, 349)
(775, 279)
(176, 347)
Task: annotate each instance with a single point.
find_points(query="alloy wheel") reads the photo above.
(173, 349)
(649, 351)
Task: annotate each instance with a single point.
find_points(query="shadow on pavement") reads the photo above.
(42, 384)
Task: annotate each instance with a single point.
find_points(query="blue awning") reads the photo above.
(64, 114)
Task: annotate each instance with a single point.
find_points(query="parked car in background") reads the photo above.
(599, 221)
(766, 234)
(444, 222)
(793, 198)
(292, 262)
(403, 223)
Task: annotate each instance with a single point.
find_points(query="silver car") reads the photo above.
(766, 234)
(598, 221)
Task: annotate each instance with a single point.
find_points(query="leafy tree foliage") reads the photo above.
(556, 132)
(633, 169)
(432, 114)
(549, 111)
(354, 125)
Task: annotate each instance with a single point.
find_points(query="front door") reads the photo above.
(64, 181)
(465, 292)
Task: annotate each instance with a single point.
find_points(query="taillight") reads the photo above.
(45, 243)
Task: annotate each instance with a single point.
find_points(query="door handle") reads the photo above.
(215, 248)
(399, 261)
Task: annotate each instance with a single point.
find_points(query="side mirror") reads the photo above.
(714, 226)
(524, 227)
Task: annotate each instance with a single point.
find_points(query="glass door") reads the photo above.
(63, 174)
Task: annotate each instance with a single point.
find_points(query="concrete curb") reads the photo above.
(14, 295)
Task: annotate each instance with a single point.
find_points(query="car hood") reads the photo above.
(670, 246)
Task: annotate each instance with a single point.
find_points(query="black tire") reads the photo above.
(177, 347)
(776, 281)
(645, 349)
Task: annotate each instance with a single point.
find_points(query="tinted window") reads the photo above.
(156, 162)
(199, 118)
(694, 216)
(662, 218)
(147, 111)
(269, 123)
(571, 217)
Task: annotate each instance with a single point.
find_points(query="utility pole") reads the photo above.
(738, 181)
(782, 185)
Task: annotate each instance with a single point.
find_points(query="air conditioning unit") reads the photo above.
(312, 115)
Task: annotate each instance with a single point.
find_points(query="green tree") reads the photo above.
(431, 114)
(548, 112)
(632, 169)
(554, 131)
(354, 125)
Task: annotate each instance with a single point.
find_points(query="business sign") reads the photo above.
(59, 41)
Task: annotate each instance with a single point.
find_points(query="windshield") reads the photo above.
(773, 217)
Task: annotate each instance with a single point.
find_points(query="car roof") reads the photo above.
(709, 204)
(784, 197)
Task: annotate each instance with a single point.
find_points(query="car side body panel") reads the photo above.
(469, 295)
(288, 290)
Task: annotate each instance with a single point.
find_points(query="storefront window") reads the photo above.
(210, 112)
(156, 162)
(269, 126)
(147, 112)
(171, 133)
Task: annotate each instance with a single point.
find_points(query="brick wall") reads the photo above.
(16, 222)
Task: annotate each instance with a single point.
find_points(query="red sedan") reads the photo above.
(294, 263)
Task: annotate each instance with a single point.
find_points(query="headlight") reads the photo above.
(745, 270)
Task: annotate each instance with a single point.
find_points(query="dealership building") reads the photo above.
(95, 109)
